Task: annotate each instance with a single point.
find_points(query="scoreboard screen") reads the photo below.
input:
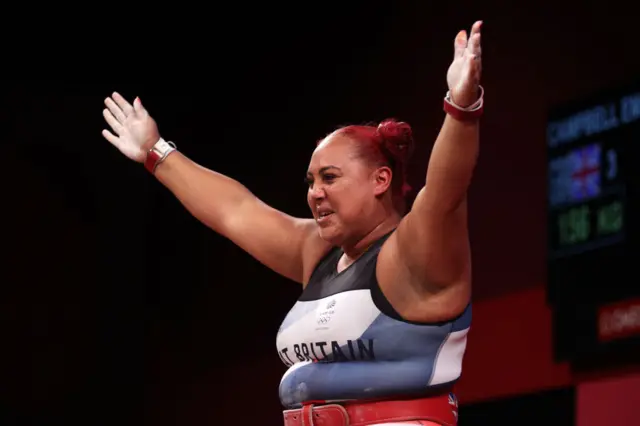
(593, 223)
(593, 187)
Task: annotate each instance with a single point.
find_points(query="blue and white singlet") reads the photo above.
(342, 340)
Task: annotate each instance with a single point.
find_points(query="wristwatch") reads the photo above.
(158, 153)
(471, 113)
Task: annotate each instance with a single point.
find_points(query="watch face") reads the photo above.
(162, 146)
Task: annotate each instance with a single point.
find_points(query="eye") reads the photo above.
(308, 180)
(329, 177)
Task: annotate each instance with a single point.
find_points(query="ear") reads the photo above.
(382, 180)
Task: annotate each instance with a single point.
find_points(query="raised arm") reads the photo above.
(432, 239)
(283, 243)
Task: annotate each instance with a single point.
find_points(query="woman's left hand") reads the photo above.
(463, 76)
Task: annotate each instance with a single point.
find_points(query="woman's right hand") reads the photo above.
(136, 131)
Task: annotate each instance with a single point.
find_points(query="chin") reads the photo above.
(331, 235)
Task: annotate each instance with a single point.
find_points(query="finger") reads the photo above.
(138, 108)
(122, 103)
(475, 29)
(115, 141)
(460, 44)
(111, 137)
(115, 110)
(474, 46)
(111, 120)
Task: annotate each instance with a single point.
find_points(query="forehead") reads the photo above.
(334, 150)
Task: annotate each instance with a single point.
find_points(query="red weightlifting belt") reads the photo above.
(439, 409)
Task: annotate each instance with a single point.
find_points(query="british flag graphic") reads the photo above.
(585, 176)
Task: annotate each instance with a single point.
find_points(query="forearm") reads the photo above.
(209, 196)
(453, 160)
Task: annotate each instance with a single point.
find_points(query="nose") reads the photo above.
(316, 192)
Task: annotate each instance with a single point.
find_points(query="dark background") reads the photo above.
(118, 307)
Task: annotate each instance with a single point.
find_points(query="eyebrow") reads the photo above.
(325, 168)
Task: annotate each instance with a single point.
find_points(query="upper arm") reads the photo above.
(432, 240)
(289, 246)
(432, 244)
(424, 267)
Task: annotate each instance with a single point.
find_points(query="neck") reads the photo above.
(354, 249)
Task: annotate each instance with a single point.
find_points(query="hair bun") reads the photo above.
(397, 138)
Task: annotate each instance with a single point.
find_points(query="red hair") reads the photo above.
(391, 144)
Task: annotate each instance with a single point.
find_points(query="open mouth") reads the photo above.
(323, 215)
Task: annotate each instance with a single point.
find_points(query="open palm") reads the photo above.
(463, 76)
(135, 131)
